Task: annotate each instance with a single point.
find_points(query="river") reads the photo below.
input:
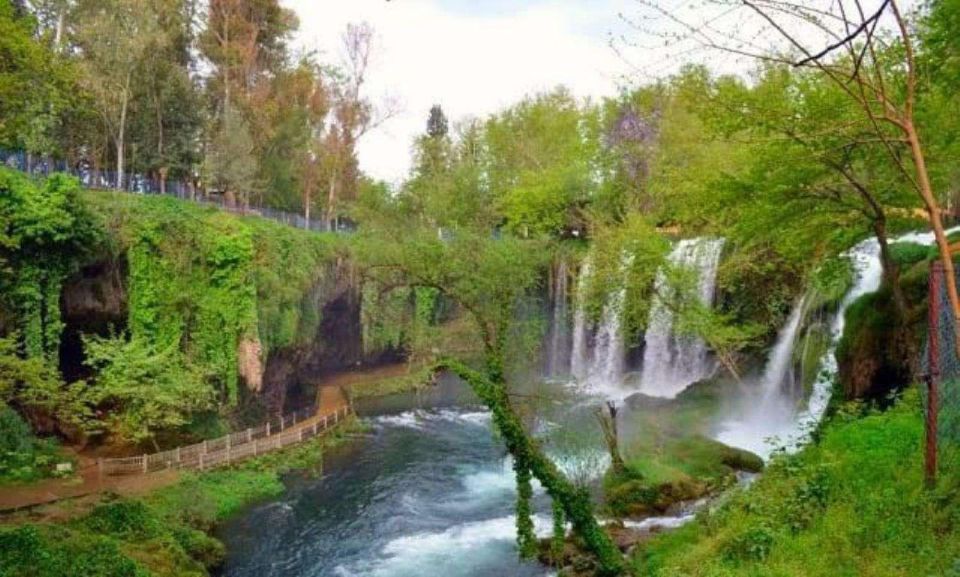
(428, 490)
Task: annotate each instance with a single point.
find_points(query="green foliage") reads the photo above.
(196, 295)
(53, 552)
(23, 457)
(129, 520)
(149, 390)
(35, 86)
(526, 538)
(46, 233)
(907, 253)
(853, 504)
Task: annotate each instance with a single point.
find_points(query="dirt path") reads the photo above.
(364, 376)
(89, 482)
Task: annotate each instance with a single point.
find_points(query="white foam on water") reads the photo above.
(453, 551)
(418, 418)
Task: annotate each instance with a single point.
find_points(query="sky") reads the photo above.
(473, 57)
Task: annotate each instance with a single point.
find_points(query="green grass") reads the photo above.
(853, 505)
(669, 457)
(164, 534)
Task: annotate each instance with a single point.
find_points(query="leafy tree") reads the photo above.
(231, 165)
(437, 126)
(115, 37)
(34, 85)
(487, 278)
(149, 390)
(539, 162)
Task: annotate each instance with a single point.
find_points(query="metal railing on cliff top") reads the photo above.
(136, 183)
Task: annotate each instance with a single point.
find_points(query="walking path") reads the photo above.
(144, 473)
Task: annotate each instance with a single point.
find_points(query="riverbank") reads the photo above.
(165, 533)
(853, 504)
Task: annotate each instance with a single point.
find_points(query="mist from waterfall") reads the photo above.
(790, 435)
(672, 362)
(768, 409)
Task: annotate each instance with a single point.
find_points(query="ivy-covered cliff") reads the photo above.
(147, 319)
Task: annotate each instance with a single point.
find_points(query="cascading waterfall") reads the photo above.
(605, 372)
(672, 362)
(768, 410)
(558, 363)
(579, 355)
(868, 272)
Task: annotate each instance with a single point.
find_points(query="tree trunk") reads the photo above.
(575, 501)
(608, 424)
(926, 192)
(331, 198)
(58, 35)
(121, 133)
(891, 270)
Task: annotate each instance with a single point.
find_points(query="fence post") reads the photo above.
(268, 427)
(144, 457)
(228, 447)
(281, 422)
(249, 434)
(314, 428)
(204, 450)
(300, 435)
(201, 456)
(324, 422)
(294, 418)
(933, 376)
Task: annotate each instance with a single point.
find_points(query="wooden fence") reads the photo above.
(276, 433)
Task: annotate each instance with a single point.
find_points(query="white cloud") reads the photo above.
(470, 61)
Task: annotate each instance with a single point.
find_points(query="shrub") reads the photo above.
(124, 519)
(907, 253)
(754, 544)
(23, 457)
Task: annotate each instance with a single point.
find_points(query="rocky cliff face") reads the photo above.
(337, 345)
(94, 301)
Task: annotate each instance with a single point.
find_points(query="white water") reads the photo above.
(558, 363)
(672, 362)
(579, 358)
(606, 369)
(768, 409)
(791, 435)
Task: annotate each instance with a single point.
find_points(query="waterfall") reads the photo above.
(579, 358)
(779, 366)
(672, 362)
(557, 360)
(768, 409)
(609, 351)
(795, 431)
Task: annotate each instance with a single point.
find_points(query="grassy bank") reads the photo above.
(165, 534)
(852, 505)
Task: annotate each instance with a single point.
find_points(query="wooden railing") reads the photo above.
(276, 433)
